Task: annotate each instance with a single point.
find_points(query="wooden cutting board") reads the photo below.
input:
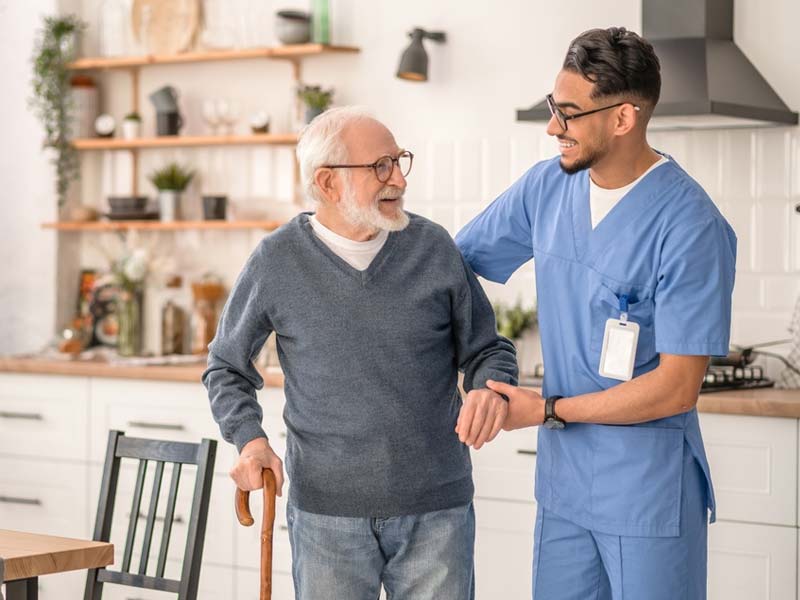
(168, 27)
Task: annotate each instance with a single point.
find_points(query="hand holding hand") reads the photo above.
(525, 406)
(481, 417)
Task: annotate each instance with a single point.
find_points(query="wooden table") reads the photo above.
(26, 556)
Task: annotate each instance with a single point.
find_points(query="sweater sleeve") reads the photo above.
(481, 352)
(230, 377)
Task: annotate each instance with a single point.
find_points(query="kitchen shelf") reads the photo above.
(178, 141)
(102, 226)
(288, 52)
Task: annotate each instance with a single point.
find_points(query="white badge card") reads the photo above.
(619, 349)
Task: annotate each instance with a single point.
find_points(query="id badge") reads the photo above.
(619, 349)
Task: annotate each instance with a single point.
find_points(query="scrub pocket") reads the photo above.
(605, 305)
(637, 476)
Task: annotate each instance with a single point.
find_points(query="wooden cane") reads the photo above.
(267, 524)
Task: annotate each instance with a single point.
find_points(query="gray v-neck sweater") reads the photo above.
(370, 360)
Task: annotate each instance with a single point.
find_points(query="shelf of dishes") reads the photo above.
(175, 141)
(104, 226)
(288, 52)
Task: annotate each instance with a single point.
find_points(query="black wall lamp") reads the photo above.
(414, 62)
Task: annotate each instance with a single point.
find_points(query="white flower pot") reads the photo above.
(169, 205)
(131, 130)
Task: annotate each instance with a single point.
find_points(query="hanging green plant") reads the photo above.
(55, 47)
(513, 322)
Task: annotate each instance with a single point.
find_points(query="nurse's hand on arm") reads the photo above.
(669, 389)
(255, 456)
(525, 406)
(481, 417)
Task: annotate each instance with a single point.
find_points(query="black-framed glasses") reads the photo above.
(562, 119)
(384, 166)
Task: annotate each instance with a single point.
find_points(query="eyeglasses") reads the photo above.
(562, 119)
(384, 166)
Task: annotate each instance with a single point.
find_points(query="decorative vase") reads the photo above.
(312, 112)
(131, 129)
(129, 318)
(169, 207)
(320, 22)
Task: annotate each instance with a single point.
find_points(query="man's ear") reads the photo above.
(627, 117)
(326, 183)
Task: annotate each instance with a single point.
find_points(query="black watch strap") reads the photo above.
(550, 409)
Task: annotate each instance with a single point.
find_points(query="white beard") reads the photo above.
(371, 217)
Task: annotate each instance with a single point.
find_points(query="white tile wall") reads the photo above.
(461, 126)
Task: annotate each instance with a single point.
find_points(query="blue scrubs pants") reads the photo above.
(573, 563)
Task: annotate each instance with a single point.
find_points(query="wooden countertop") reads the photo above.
(30, 555)
(91, 368)
(763, 402)
(768, 402)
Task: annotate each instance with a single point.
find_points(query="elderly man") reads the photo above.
(375, 312)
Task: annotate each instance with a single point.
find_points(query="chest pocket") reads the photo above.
(605, 305)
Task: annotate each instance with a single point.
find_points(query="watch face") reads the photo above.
(554, 424)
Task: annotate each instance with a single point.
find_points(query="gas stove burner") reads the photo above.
(724, 378)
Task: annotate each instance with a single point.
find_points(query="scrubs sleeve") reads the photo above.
(481, 352)
(693, 293)
(500, 239)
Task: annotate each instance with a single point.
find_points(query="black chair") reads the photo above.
(161, 453)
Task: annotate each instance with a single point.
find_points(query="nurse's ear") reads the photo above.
(627, 117)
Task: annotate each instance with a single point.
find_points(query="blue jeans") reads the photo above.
(416, 557)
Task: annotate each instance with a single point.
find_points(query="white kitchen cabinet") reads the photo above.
(504, 468)
(162, 410)
(248, 582)
(39, 497)
(503, 549)
(748, 562)
(754, 467)
(44, 416)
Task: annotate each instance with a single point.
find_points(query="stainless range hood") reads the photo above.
(706, 80)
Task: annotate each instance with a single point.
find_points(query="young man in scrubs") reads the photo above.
(634, 273)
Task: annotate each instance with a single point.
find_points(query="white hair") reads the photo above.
(321, 143)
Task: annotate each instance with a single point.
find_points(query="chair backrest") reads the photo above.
(161, 453)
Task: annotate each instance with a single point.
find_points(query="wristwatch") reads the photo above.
(551, 420)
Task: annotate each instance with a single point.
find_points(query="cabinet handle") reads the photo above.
(527, 452)
(18, 415)
(27, 501)
(146, 425)
(283, 528)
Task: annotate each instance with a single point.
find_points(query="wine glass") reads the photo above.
(211, 115)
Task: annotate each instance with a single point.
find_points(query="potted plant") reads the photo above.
(315, 99)
(514, 323)
(55, 47)
(170, 181)
(132, 126)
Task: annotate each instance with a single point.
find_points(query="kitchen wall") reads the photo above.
(499, 56)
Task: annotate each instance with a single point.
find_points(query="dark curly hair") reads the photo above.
(619, 63)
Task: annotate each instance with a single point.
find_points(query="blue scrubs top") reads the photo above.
(667, 247)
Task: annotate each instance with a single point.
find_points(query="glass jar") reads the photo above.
(129, 319)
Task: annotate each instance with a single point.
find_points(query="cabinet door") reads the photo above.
(44, 416)
(503, 549)
(156, 410)
(753, 466)
(504, 468)
(747, 561)
(248, 583)
(38, 497)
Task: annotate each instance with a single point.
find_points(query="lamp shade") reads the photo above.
(414, 62)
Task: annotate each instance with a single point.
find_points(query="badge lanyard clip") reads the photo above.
(623, 308)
